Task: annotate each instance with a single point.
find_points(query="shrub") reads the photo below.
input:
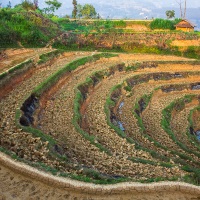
(164, 24)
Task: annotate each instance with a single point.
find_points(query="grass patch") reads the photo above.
(15, 69)
(47, 56)
(164, 24)
(51, 80)
(178, 105)
(193, 139)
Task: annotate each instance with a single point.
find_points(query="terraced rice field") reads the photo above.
(100, 118)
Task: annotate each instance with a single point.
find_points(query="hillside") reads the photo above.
(21, 28)
(25, 28)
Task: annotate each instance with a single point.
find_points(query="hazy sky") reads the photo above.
(156, 3)
(144, 5)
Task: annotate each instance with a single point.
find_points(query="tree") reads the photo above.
(75, 10)
(35, 2)
(9, 5)
(170, 14)
(79, 8)
(53, 5)
(98, 16)
(88, 11)
(182, 10)
(27, 5)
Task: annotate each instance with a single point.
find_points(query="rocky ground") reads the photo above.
(13, 138)
(152, 118)
(126, 113)
(55, 116)
(79, 150)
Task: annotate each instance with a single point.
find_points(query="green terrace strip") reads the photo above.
(142, 128)
(91, 81)
(38, 91)
(17, 69)
(110, 104)
(77, 117)
(195, 177)
(156, 143)
(137, 79)
(51, 142)
(68, 68)
(178, 105)
(26, 65)
(141, 125)
(47, 56)
(192, 137)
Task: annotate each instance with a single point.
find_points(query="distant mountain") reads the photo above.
(131, 9)
(138, 10)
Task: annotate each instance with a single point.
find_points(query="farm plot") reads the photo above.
(105, 118)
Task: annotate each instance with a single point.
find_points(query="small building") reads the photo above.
(185, 25)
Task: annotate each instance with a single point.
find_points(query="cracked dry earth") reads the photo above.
(55, 114)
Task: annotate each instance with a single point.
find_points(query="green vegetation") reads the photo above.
(47, 56)
(85, 26)
(87, 11)
(17, 69)
(77, 119)
(29, 28)
(178, 105)
(170, 14)
(52, 6)
(164, 24)
(68, 68)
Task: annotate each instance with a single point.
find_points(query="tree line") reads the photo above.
(86, 11)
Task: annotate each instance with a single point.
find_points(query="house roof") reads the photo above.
(185, 24)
